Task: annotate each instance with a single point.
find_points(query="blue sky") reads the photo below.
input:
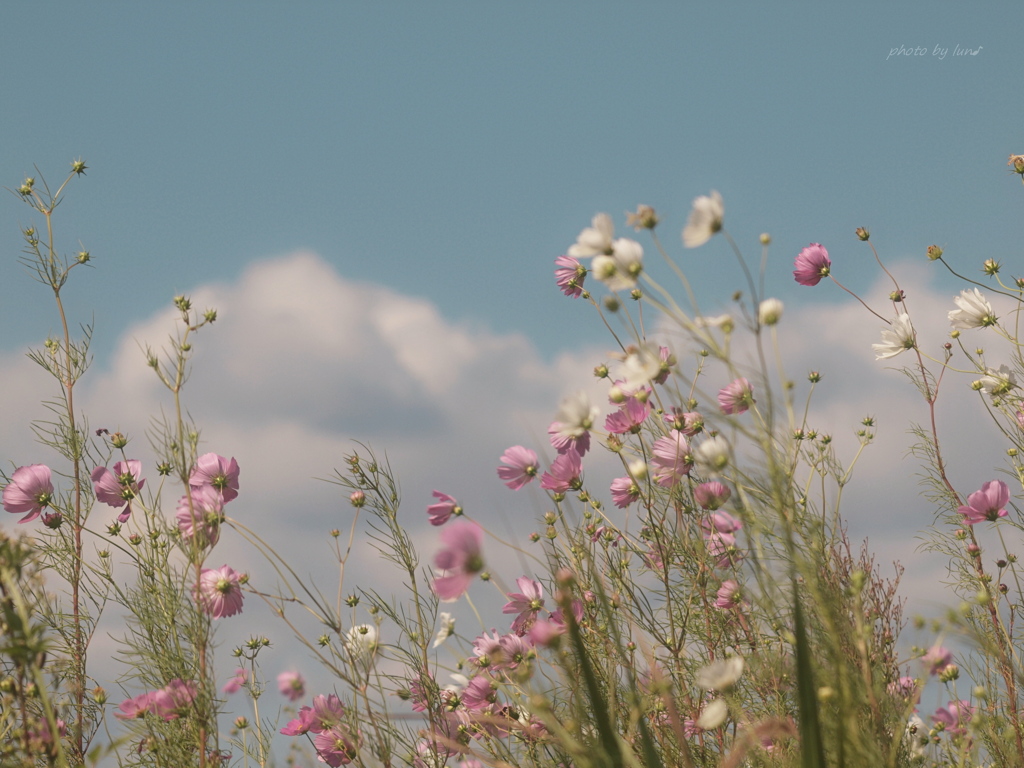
(373, 196)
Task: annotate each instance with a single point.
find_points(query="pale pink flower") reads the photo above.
(445, 507)
(526, 603)
(135, 707)
(905, 688)
(327, 712)
(546, 632)
(300, 725)
(521, 467)
(571, 428)
(219, 592)
(629, 418)
(234, 685)
(812, 264)
(516, 649)
(728, 596)
(479, 693)
(667, 361)
(705, 220)
(937, 659)
(570, 276)
(671, 459)
(711, 495)
(200, 523)
(624, 491)
(689, 424)
(564, 474)
(487, 650)
(30, 490)
(335, 746)
(168, 703)
(720, 521)
(987, 504)
(722, 547)
(954, 716)
(736, 397)
(460, 560)
(292, 685)
(214, 470)
(119, 487)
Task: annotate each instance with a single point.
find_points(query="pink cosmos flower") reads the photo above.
(168, 703)
(722, 547)
(216, 471)
(487, 650)
(30, 490)
(443, 509)
(728, 596)
(460, 560)
(736, 397)
(720, 521)
(565, 473)
(630, 416)
(570, 275)
(200, 524)
(521, 467)
(526, 603)
(955, 716)
(624, 491)
(937, 659)
(812, 264)
(987, 504)
(300, 725)
(667, 361)
(905, 688)
(219, 592)
(516, 649)
(119, 487)
(711, 495)
(292, 685)
(234, 685)
(671, 459)
(546, 632)
(327, 712)
(689, 424)
(479, 693)
(335, 746)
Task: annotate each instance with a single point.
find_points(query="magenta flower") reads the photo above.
(671, 459)
(219, 592)
(955, 716)
(812, 264)
(521, 467)
(30, 490)
(526, 603)
(624, 491)
(564, 474)
(216, 471)
(987, 504)
(711, 495)
(292, 685)
(119, 487)
(460, 560)
(200, 523)
(335, 746)
(234, 685)
(444, 508)
(570, 275)
(736, 397)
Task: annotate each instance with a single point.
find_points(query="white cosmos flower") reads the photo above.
(361, 643)
(620, 269)
(998, 381)
(576, 415)
(974, 312)
(712, 455)
(769, 312)
(896, 338)
(720, 675)
(594, 240)
(725, 322)
(714, 715)
(639, 367)
(705, 220)
(446, 630)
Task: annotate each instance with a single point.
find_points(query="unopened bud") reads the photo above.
(862, 233)
(934, 252)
